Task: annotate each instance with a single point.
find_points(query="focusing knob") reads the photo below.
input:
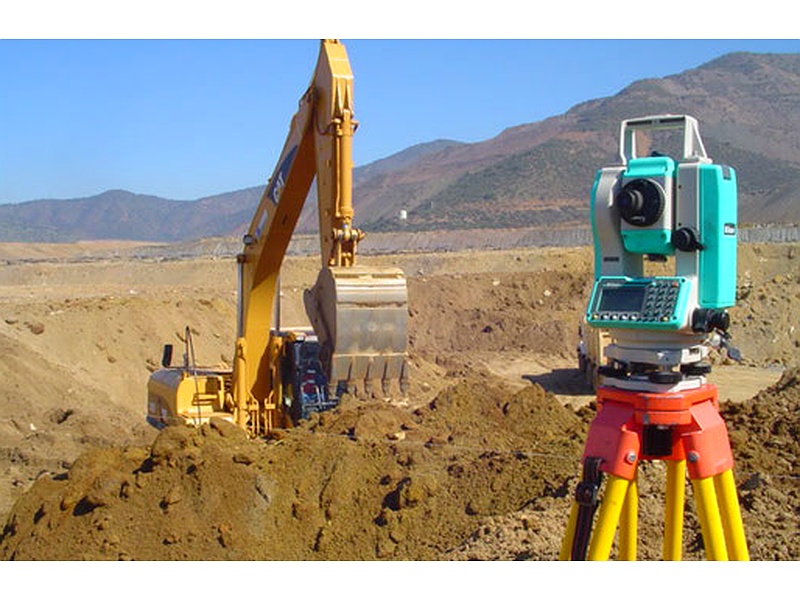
(640, 202)
(686, 239)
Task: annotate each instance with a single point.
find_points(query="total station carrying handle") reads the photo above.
(692, 143)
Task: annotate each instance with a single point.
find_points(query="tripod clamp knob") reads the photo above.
(587, 490)
(586, 493)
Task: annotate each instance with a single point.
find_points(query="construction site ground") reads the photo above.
(477, 463)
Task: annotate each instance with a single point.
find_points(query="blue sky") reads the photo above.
(188, 118)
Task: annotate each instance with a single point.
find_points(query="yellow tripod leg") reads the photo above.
(566, 545)
(608, 519)
(710, 519)
(628, 523)
(673, 516)
(731, 515)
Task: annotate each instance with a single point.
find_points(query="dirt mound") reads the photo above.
(38, 438)
(477, 474)
(497, 312)
(479, 465)
(366, 481)
(765, 439)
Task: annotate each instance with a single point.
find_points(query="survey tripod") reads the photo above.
(680, 426)
(655, 402)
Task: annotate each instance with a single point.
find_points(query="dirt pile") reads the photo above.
(497, 312)
(480, 463)
(367, 481)
(455, 479)
(43, 438)
(765, 439)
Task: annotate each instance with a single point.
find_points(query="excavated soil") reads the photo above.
(369, 481)
(477, 464)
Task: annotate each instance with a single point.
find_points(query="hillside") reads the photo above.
(531, 175)
(742, 102)
(123, 215)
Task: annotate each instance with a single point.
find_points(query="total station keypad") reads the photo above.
(660, 299)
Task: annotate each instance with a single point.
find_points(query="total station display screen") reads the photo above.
(629, 298)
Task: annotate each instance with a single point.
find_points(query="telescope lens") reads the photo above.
(640, 203)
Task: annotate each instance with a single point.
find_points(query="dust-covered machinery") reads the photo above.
(357, 314)
(659, 208)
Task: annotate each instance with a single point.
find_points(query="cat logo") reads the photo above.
(278, 182)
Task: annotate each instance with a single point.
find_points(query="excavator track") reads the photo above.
(360, 316)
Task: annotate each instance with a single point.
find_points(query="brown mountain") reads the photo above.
(541, 173)
(536, 174)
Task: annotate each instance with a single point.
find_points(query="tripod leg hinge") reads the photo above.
(586, 493)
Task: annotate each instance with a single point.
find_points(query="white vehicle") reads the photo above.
(592, 343)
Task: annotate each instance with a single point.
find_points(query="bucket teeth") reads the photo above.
(374, 385)
(404, 383)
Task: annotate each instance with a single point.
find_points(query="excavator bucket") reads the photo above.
(360, 316)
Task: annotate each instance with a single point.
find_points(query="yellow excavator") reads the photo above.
(358, 315)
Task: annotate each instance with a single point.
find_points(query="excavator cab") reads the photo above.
(305, 389)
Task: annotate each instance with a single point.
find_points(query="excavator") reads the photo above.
(358, 315)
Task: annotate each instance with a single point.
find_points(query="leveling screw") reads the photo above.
(693, 457)
(630, 457)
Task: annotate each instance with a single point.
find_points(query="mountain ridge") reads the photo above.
(535, 174)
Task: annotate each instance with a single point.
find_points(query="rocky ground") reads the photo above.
(478, 463)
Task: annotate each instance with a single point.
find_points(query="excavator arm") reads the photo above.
(358, 314)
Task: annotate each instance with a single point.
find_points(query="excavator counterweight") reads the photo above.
(358, 315)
